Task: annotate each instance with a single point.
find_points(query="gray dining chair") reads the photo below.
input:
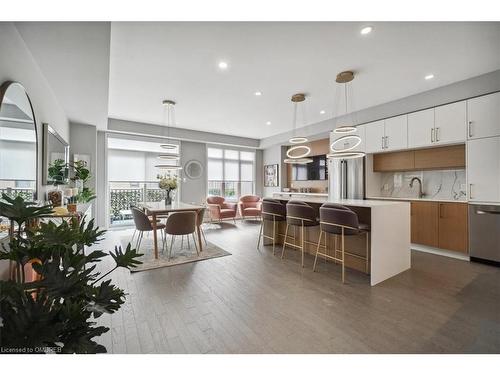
(143, 224)
(181, 223)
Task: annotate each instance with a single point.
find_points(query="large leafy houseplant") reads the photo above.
(58, 172)
(82, 174)
(56, 311)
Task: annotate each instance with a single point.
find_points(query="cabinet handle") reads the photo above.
(387, 141)
(470, 129)
(432, 135)
(382, 143)
(470, 191)
(440, 214)
(438, 131)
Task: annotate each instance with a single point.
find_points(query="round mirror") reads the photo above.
(193, 169)
(18, 143)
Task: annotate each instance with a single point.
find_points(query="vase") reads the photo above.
(168, 199)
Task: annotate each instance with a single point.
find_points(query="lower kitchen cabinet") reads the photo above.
(439, 224)
(425, 223)
(453, 227)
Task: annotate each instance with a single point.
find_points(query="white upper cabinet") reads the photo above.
(374, 136)
(483, 169)
(484, 116)
(349, 142)
(450, 123)
(396, 133)
(421, 132)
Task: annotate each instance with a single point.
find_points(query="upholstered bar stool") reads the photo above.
(340, 221)
(298, 214)
(272, 210)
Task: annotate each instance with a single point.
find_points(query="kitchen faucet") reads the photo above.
(420, 192)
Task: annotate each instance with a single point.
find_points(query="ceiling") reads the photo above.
(74, 58)
(150, 62)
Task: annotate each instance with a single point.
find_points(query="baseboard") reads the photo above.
(441, 252)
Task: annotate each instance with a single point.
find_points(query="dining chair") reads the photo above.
(182, 223)
(199, 222)
(143, 224)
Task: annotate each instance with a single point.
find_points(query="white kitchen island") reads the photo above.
(390, 252)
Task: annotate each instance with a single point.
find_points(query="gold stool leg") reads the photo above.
(284, 241)
(260, 234)
(343, 260)
(367, 252)
(302, 243)
(317, 249)
(274, 234)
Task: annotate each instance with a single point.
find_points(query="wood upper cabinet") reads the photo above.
(450, 123)
(396, 133)
(440, 157)
(453, 227)
(424, 223)
(439, 224)
(424, 159)
(421, 128)
(394, 161)
(484, 116)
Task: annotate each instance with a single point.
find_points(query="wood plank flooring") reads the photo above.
(254, 302)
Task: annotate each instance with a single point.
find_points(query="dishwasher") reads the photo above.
(484, 233)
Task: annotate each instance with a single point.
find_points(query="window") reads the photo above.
(230, 172)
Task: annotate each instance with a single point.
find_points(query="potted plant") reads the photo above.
(58, 174)
(169, 184)
(81, 175)
(55, 311)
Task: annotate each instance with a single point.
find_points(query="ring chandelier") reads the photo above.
(169, 108)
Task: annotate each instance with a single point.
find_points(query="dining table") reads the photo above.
(155, 209)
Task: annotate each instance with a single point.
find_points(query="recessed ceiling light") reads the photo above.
(366, 30)
(258, 93)
(429, 76)
(268, 123)
(322, 112)
(223, 65)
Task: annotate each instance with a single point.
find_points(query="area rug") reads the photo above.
(180, 255)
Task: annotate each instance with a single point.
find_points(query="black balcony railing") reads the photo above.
(26, 194)
(124, 194)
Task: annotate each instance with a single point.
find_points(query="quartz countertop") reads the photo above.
(419, 199)
(347, 202)
(298, 193)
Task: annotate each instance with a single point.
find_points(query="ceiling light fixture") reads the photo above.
(429, 76)
(223, 65)
(366, 30)
(322, 112)
(298, 161)
(258, 93)
(302, 154)
(346, 152)
(268, 123)
(169, 113)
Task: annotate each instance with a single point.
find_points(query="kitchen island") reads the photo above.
(389, 239)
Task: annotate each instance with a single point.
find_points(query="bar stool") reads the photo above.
(341, 221)
(298, 214)
(271, 210)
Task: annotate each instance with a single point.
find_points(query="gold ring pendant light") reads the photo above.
(297, 154)
(348, 130)
(171, 149)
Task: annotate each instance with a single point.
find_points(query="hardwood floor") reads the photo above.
(254, 302)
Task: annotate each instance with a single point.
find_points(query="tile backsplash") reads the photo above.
(441, 184)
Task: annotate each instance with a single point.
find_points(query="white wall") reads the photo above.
(194, 190)
(275, 155)
(17, 64)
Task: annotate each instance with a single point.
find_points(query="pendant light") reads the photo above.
(347, 130)
(298, 152)
(172, 153)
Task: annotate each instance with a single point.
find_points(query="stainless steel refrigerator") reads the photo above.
(346, 178)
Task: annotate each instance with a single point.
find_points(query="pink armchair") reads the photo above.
(250, 205)
(219, 209)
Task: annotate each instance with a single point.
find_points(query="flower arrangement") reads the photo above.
(168, 183)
